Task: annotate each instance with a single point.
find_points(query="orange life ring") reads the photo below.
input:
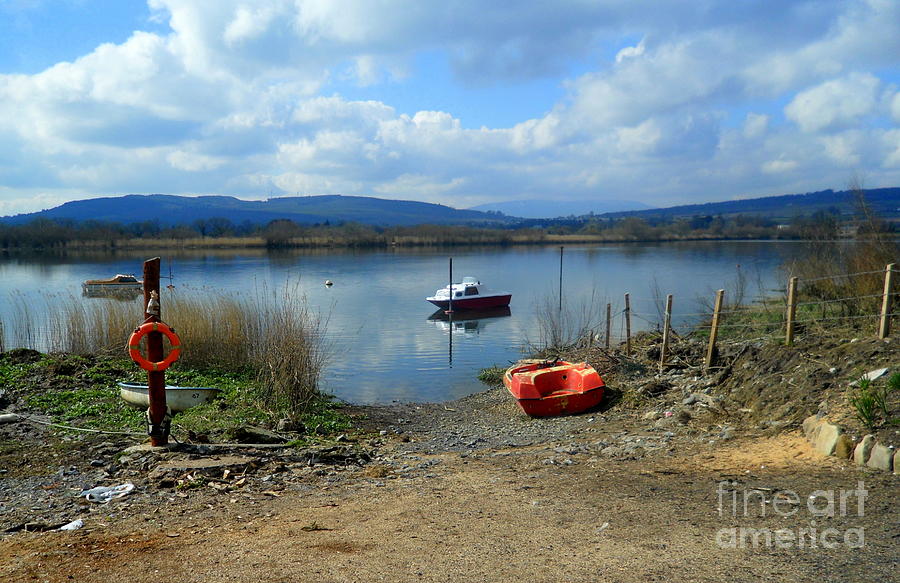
(135, 340)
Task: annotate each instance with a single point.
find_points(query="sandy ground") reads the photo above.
(505, 515)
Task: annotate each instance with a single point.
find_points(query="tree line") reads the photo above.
(43, 233)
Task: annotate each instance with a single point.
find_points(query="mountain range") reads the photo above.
(173, 210)
(544, 209)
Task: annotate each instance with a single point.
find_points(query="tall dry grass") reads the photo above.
(274, 333)
(558, 329)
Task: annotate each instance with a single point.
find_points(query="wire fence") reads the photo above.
(804, 305)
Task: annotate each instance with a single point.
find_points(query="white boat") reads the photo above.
(121, 283)
(177, 398)
(469, 294)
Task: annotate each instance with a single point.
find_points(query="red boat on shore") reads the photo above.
(546, 389)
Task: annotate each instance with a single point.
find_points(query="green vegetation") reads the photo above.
(696, 222)
(492, 376)
(872, 401)
(264, 351)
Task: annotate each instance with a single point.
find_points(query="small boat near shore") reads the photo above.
(120, 284)
(469, 294)
(177, 398)
(551, 388)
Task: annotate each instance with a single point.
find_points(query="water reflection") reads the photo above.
(467, 321)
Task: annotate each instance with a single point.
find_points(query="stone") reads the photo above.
(250, 434)
(810, 424)
(825, 440)
(881, 458)
(651, 416)
(209, 467)
(8, 418)
(863, 449)
(844, 447)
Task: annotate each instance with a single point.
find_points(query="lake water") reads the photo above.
(387, 341)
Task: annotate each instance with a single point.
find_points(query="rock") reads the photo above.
(288, 425)
(250, 434)
(210, 467)
(726, 433)
(810, 424)
(9, 418)
(826, 438)
(654, 388)
(651, 416)
(881, 458)
(862, 451)
(844, 447)
(683, 417)
(690, 399)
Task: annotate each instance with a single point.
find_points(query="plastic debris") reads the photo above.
(74, 525)
(104, 494)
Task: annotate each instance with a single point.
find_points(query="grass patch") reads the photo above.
(82, 391)
(492, 376)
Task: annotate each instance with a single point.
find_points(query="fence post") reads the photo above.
(714, 329)
(666, 325)
(628, 324)
(791, 311)
(608, 323)
(884, 327)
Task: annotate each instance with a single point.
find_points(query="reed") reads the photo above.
(560, 328)
(274, 334)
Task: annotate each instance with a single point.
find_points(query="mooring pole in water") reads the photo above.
(450, 287)
(156, 380)
(560, 276)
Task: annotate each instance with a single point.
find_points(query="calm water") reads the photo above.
(388, 343)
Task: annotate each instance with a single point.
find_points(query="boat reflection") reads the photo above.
(467, 321)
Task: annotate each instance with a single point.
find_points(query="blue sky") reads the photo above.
(460, 102)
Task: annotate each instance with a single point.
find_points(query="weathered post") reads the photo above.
(628, 324)
(714, 329)
(884, 327)
(791, 311)
(667, 324)
(156, 380)
(608, 323)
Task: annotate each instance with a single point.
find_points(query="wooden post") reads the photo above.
(627, 325)
(791, 311)
(665, 344)
(608, 323)
(884, 327)
(714, 329)
(156, 380)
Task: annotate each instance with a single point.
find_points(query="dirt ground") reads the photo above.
(645, 489)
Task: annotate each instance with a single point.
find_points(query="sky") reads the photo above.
(457, 102)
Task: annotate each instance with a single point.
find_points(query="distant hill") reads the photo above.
(172, 210)
(884, 201)
(545, 209)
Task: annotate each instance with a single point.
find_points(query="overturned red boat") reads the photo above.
(546, 389)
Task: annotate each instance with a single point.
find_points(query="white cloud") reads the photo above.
(755, 125)
(779, 166)
(834, 103)
(243, 97)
